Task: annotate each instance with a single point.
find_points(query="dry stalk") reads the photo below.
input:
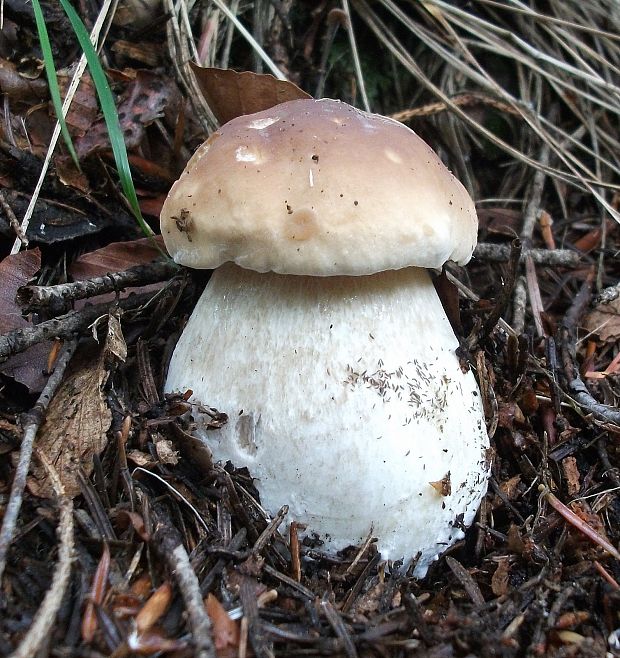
(35, 297)
(46, 614)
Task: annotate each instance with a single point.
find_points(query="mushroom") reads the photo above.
(320, 333)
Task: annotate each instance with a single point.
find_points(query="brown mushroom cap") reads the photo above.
(319, 188)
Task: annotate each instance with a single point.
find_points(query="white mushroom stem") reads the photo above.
(346, 401)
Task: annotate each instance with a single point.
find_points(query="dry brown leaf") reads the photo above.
(604, 321)
(510, 487)
(443, 486)
(499, 581)
(140, 458)
(571, 473)
(28, 367)
(225, 630)
(15, 271)
(77, 422)
(116, 257)
(166, 453)
(125, 517)
(18, 87)
(230, 94)
(154, 608)
(84, 108)
(145, 100)
(97, 592)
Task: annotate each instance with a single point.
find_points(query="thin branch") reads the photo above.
(13, 221)
(553, 257)
(35, 297)
(190, 591)
(64, 326)
(31, 422)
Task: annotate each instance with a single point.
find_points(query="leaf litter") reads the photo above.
(174, 553)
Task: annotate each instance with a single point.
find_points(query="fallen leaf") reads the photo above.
(230, 94)
(140, 458)
(153, 641)
(604, 321)
(166, 453)
(500, 221)
(449, 297)
(69, 175)
(15, 271)
(115, 343)
(116, 257)
(154, 608)
(225, 630)
(18, 87)
(510, 487)
(125, 517)
(571, 472)
(77, 421)
(28, 367)
(499, 580)
(97, 592)
(571, 619)
(84, 108)
(145, 100)
(443, 486)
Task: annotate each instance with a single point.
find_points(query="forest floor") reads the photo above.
(120, 536)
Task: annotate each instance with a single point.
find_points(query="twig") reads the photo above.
(579, 305)
(166, 540)
(31, 422)
(530, 213)
(289, 581)
(584, 398)
(251, 619)
(35, 297)
(519, 300)
(471, 295)
(13, 221)
(503, 299)
(270, 530)
(64, 326)
(533, 290)
(335, 621)
(554, 257)
(190, 591)
(46, 614)
(576, 521)
(606, 575)
(566, 341)
(464, 577)
(294, 548)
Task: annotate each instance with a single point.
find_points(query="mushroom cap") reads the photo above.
(321, 188)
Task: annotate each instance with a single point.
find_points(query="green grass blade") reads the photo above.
(52, 79)
(106, 101)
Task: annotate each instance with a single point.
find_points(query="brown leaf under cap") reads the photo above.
(115, 257)
(77, 421)
(230, 94)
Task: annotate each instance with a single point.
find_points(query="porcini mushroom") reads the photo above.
(320, 333)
